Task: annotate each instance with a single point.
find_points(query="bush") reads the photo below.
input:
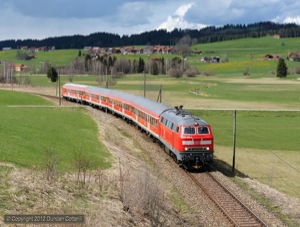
(206, 73)
(175, 72)
(118, 75)
(192, 72)
(246, 72)
(297, 70)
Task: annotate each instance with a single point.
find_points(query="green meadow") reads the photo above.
(268, 117)
(246, 54)
(30, 126)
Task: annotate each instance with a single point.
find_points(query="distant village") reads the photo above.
(147, 50)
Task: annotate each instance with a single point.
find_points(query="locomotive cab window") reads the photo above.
(189, 131)
(203, 130)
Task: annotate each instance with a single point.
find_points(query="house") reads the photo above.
(271, 57)
(276, 36)
(20, 67)
(197, 52)
(212, 59)
(294, 57)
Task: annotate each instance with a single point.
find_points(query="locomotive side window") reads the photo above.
(203, 130)
(189, 131)
(174, 128)
(177, 129)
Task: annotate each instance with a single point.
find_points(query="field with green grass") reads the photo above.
(30, 126)
(267, 145)
(246, 54)
(57, 57)
(268, 117)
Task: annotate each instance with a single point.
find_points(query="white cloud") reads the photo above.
(181, 11)
(295, 20)
(178, 21)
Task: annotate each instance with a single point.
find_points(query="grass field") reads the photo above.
(268, 147)
(26, 132)
(245, 54)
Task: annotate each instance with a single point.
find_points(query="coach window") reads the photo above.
(162, 120)
(177, 129)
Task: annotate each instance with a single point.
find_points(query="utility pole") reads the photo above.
(144, 84)
(159, 97)
(234, 141)
(59, 89)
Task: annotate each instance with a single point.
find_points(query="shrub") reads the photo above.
(175, 72)
(192, 72)
(297, 70)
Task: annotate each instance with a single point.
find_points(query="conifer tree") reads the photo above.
(281, 68)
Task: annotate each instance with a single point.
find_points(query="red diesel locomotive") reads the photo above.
(188, 139)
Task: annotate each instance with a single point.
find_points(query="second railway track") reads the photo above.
(233, 208)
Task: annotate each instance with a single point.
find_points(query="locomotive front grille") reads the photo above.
(196, 149)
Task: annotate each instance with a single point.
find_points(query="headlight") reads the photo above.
(188, 142)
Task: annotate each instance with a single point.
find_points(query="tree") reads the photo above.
(52, 74)
(141, 65)
(154, 68)
(182, 47)
(281, 68)
(25, 55)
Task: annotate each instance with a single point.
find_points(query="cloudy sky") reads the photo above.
(38, 19)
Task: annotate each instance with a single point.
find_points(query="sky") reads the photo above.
(39, 19)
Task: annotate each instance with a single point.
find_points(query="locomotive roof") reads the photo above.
(179, 116)
(145, 103)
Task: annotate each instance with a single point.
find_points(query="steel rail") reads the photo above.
(243, 221)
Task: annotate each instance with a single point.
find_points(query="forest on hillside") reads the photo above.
(161, 37)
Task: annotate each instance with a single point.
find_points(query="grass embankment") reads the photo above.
(267, 145)
(27, 132)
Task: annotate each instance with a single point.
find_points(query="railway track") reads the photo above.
(233, 208)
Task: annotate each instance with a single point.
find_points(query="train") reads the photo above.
(188, 139)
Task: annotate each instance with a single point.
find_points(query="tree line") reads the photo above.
(161, 37)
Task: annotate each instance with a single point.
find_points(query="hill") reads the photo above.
(242, 56)
(162, 37)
